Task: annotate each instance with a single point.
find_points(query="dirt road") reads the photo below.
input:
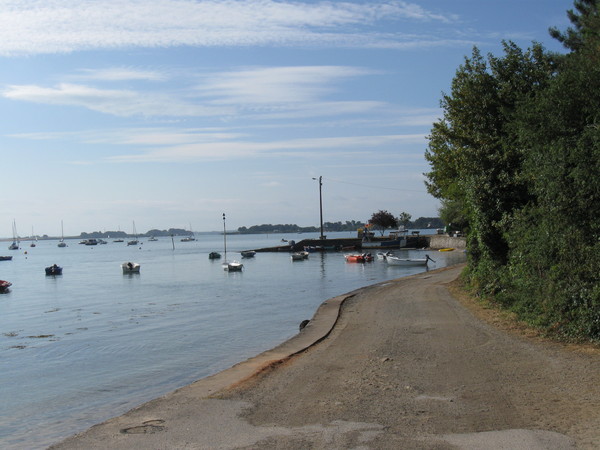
(405, 367)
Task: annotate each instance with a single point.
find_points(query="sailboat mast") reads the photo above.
(224, 237)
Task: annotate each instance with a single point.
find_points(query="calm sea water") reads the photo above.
(91, 344)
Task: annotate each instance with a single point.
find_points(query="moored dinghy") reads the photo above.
(359, 258)
(395, 261)
(4, 285)
(130, 267)
(54, 270)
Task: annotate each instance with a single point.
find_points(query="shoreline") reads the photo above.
(318, 328)
(399, 364)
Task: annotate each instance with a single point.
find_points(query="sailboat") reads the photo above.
(15, 243)
(233, 266)
(62, 242)
(189, 238)
(33, 238)
(134, 241)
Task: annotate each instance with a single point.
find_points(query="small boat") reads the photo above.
(395, 261)
(134, 241)
(91, 242)
(299, 256)
(191, 237)
(15, 242)
(214, 255)
(359, 258)
(62, 236)
(130, 267)
(5, 258)
(445, 249)
(102, 241)
(54, 270)
(233, 266)
(33, 238)
(152, 239)
(383, 256)
(118, 240)
(248, 254)
(4, 285)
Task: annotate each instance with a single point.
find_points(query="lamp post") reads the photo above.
(321, 205)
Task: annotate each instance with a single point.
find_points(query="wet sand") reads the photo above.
(401, 364)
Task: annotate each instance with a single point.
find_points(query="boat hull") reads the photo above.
(394, 261)
(53, 270)
(233, 266)
(364, 257)
(130, 267)
(4, 285)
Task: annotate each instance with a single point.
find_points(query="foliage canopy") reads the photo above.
(516, 157)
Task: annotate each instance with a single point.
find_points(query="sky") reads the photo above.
(169, 113)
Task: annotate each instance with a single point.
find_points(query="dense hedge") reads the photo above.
(518, 151)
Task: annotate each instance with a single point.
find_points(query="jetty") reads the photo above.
(434, 241)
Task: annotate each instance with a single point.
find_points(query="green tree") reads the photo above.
(585, 29)
(383, 220)
(555, 259)
(404, 219)
(474, 157)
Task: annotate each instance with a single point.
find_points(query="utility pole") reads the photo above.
(321, 205)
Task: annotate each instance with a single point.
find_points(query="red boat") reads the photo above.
(4, 285)
(363, 257)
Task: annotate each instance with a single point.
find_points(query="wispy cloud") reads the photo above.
(122, 102)
(307, 148)
(63, 26)
(257, 93)
(122, 74)
(277, 84)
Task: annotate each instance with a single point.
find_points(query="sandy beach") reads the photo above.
(401, 364)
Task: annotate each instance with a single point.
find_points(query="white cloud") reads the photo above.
(277, 84)
(257, 93)
(122, 102)
(308, 148)
(63, 26)
(122, 74)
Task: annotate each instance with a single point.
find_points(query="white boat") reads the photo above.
(130, 267)
(395, 261)
(230, 266)
(299, 256)
(62, 236)
(233, 266)
(248, 254)
(383, 256)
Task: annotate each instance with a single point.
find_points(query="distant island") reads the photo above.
(331, 227)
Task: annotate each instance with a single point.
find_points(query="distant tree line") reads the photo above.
(348, 225)
(122, 234)
(515, 161)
